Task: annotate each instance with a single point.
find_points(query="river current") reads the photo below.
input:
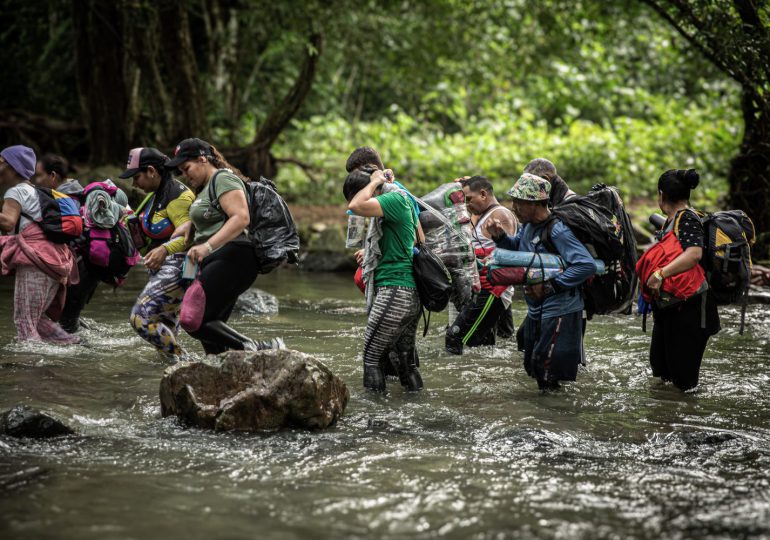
(480, 453)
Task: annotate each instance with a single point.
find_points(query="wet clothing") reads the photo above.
(477, 324)
(398, 235)
(209, 219)
(392, 324)
(552, 335)
(209, 301)
(553, 348)
(681, 331)
(489, 313)
(155, 315)
(43, 271)
(78, 296)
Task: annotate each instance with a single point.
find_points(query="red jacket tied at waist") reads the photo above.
(682, 285)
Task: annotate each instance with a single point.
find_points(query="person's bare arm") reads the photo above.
(9, 217)
(504, 219)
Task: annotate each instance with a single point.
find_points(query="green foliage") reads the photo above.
(631, 154)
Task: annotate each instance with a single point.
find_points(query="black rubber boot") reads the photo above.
(453, 344)
(374, 378)
(220, 334)
(408, 373)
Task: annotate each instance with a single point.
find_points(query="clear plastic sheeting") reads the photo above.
(447, 227)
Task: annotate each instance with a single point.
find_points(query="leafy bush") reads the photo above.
(630, 153)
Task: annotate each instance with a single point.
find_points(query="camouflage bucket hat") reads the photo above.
(530, 188)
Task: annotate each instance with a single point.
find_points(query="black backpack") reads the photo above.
(433, 280)
(600, 222)
(728, 237)
(272, 230)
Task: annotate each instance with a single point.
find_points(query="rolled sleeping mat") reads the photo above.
(519, 275)
(505, 257)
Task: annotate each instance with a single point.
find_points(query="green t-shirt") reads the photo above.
(206, 218)
(398, 234)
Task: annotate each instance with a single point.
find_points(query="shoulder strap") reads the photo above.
(545, 234)
(212, 191)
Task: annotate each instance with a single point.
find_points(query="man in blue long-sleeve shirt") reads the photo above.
(553, 332)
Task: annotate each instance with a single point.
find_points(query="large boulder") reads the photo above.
(252, 391)
(24, 421)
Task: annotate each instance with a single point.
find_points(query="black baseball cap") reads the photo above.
(141, 158)
(189, 149)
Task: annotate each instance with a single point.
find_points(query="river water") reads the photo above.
(478, 454)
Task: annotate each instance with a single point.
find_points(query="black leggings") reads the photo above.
(210, 300)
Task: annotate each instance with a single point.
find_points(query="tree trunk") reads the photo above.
(749, 175)
(259, 160)
(188, 118)
(104, 98)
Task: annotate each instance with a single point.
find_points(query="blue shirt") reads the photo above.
(579, 266)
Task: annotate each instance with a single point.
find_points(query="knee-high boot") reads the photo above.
(408, 373)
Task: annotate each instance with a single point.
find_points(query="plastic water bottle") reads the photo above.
(356, 228)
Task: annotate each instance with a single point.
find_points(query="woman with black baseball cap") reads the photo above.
(166, 208)
(227, 262)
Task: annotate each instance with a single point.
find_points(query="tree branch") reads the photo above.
(307, 169)
(706, 52)
(280, 117)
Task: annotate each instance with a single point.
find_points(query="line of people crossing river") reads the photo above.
(206, 237)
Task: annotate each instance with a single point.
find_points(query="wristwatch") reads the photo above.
(658, 274)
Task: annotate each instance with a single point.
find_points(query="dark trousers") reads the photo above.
(78, 297)
(477, 323)
(209, 302)
(679, 340)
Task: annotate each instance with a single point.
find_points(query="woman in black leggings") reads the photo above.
(225, 256)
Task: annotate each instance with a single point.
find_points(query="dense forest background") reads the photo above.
(612, 91)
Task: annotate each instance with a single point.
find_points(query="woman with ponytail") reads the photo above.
(166, 208)
(685, 314)
(226, 259)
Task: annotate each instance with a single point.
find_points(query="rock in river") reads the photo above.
(251, 391)
(24, 421)
(256, 302)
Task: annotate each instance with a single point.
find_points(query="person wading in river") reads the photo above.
(43, 268)
(476, 324)
(226, 258)
(685, 314)
(553, 334)
(387, 266)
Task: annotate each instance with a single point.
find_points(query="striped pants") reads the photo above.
(392, 323)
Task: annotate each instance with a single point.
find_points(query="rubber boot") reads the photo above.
(453, 344)
(219, 333)
(374, 378)
(408, 373)
(390, 364)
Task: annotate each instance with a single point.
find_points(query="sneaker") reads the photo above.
(261, 345)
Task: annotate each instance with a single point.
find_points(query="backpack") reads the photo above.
(727, 256)
(61, 221)
(600, 222)
(108, 248)
(433, 280)
(272, 230)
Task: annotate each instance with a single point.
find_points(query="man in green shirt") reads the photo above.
(394, 314)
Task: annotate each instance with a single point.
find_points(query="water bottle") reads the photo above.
(356, 228)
